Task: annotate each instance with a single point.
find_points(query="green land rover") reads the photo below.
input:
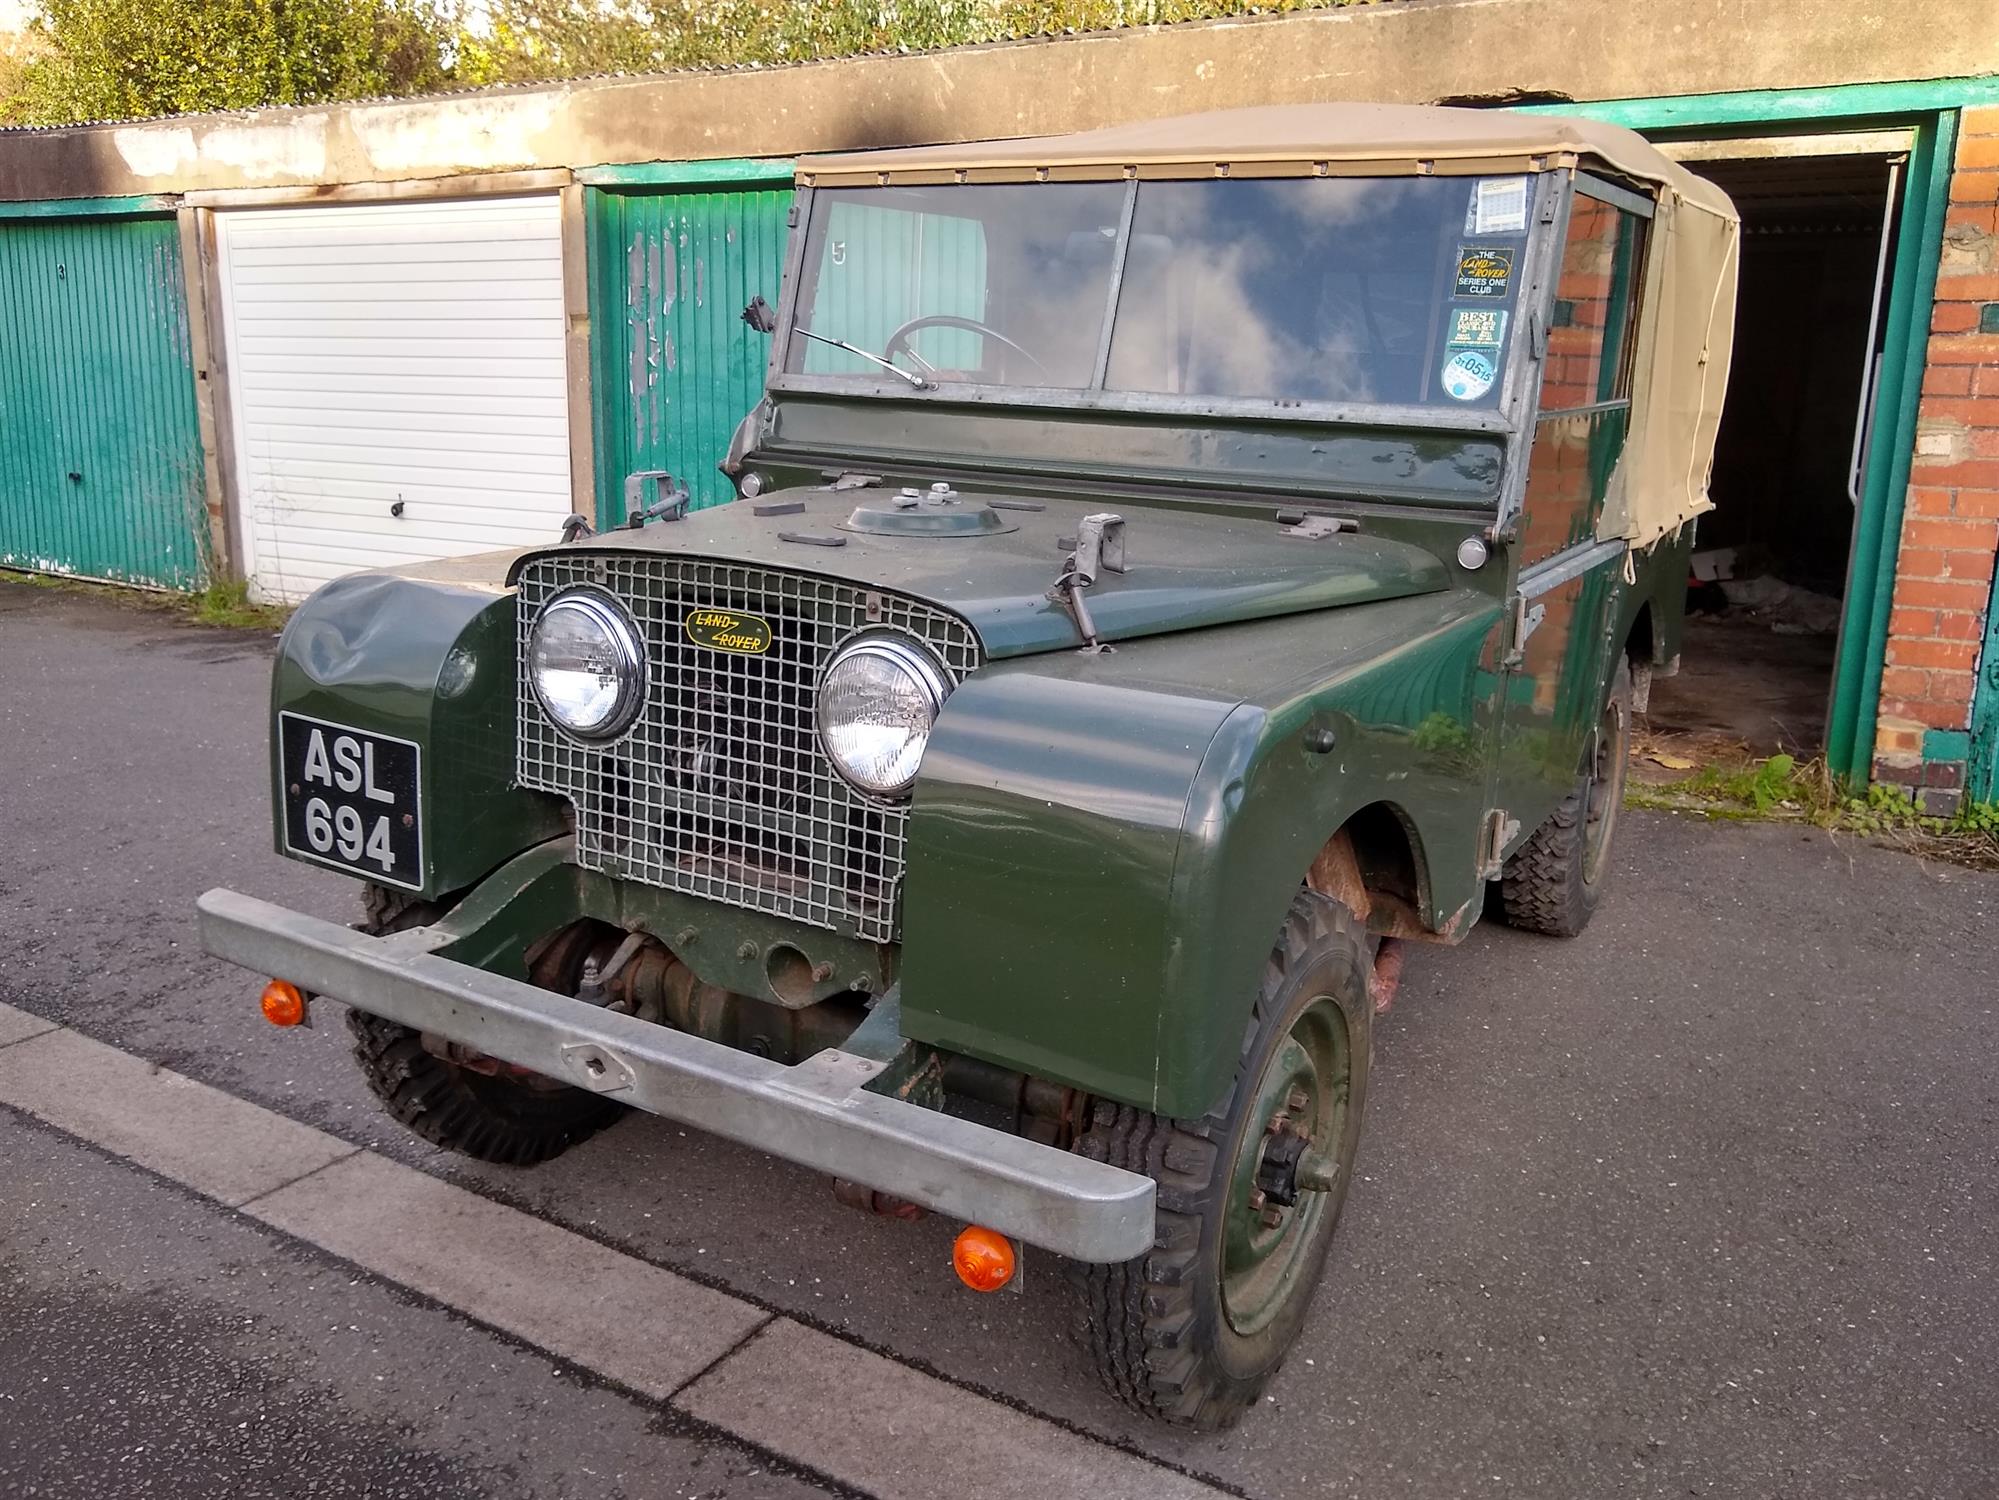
(1175, 566)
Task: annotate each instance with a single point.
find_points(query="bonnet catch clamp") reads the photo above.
(1099, 549)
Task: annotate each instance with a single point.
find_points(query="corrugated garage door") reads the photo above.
(396, 384)
(675, 367)
(100, 454)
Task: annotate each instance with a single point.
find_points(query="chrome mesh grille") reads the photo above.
(719, 788)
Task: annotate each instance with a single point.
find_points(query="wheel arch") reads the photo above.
(1641, 641)
(1374, 864)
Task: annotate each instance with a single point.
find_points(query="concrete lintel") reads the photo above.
(461, 185)
(1406, 50)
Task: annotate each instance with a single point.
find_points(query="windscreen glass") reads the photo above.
(993, 285)
(1379, 290)
(1387, 289)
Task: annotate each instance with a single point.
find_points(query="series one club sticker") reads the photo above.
(1484, 271)
(1469, 374)
(724, 630)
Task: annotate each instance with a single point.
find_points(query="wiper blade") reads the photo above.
(894, 369)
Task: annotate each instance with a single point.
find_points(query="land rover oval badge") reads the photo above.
(725, 630)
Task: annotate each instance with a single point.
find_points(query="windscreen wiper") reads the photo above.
(894, 369)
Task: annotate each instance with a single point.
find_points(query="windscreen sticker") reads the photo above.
(1498, 206)
(1477, 327)
(1469, 374)
(1484, 271)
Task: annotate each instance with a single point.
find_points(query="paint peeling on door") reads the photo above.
(678, 368)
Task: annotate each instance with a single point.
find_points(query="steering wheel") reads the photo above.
(900, 339)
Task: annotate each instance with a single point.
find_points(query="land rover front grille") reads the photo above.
(720, 788)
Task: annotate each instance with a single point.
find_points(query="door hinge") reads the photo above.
(1525, 620)
(1494, 835)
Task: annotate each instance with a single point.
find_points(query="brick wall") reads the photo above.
(1950, 527)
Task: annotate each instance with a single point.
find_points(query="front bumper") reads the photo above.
(818, 1113)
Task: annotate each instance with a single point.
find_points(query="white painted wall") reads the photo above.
(391, 353)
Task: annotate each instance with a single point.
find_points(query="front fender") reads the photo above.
(1102, 849)
(1038, 901)
(434, 662)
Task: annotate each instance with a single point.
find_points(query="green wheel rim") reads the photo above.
(1306, 1086)
(1603, 792)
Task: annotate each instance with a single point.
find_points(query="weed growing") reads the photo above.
(224, 606)
(1783, 787)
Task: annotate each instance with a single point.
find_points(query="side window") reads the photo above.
(1586, 376)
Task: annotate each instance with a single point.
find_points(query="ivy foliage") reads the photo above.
(529, 40)
(122, 59)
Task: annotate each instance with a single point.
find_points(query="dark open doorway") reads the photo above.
(1763, 620)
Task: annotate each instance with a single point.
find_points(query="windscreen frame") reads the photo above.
(1518, 378)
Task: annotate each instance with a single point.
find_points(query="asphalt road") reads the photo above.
(152, 1345)
(1702, 1203)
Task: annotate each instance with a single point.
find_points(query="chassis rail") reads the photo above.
(817, 1113)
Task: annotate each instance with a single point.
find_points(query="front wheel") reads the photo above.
(1249, 1194)
(1553, 882)
(473, 1107)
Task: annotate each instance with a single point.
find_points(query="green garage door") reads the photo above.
(1985, 710)
(674, 368)
(100, 455)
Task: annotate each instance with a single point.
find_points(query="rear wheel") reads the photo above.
(472, 1106)
(1553, 881)
(1248, 1195)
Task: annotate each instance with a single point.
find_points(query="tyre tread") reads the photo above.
(436, 1100)
(1138, 1318)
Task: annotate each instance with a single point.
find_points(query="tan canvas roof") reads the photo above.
(1686, 328)
(1299, 135)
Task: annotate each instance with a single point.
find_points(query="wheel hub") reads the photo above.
(1290, 1165)
(1278, 1193)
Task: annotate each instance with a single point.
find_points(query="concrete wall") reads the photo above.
(1404, 50)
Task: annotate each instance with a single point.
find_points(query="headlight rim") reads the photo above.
(929, 673)
(609, 612)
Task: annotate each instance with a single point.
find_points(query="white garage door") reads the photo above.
(396, 384)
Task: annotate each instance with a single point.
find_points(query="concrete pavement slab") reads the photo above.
(19, 1025)
(904, 1435)
(632, 1322)
(219, 1145)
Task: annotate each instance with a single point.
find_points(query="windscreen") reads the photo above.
(995, 285)
(1378, 290)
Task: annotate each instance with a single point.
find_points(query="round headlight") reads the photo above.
(585, 664)
(877, 702)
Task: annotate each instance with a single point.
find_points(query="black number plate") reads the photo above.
(351, 800)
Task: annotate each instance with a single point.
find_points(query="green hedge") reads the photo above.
(542, 39)
(124, 59)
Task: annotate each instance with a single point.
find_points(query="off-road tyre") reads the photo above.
(1552, 883)
(1156, 1327)
(495, 1119)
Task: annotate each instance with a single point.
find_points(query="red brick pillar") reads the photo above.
(1950, 528)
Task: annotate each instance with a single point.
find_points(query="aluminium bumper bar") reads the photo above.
(816, 1113)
